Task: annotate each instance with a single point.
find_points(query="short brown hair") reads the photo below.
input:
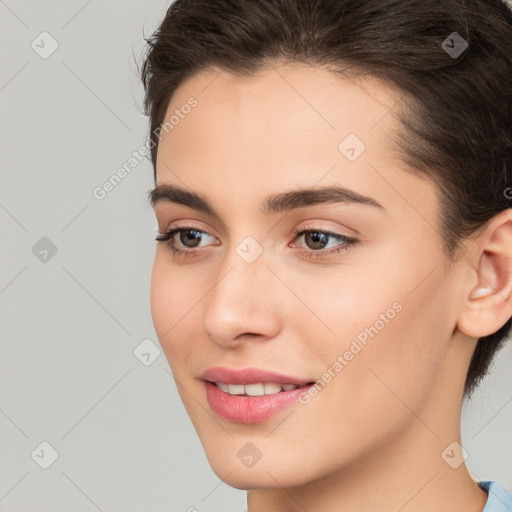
(456, 121)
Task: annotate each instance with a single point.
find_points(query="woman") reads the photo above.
(333, 273)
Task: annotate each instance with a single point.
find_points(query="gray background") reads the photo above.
(72, 320)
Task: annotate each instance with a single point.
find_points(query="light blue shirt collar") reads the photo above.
(499, 500)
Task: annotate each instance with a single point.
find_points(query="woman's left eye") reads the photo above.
(316, 240)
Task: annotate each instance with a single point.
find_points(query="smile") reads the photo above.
(256, 389)
(250, 395)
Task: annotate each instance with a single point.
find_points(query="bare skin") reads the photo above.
(374, 437)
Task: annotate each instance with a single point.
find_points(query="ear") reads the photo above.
(487, 304)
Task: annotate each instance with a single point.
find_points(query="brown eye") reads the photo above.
(316, 239)
(189, 237)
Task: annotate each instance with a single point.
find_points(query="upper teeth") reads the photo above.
(257, 389)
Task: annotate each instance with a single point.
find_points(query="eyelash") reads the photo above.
(310, 253)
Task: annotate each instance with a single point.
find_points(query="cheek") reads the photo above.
(396, 365)
(176, 297)
(171, 306)
(386, 316)
(161, 298)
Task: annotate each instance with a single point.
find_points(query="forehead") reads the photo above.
(283, 126)
(286, 103)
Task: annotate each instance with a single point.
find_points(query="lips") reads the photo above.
(250, 376)
(251, 395)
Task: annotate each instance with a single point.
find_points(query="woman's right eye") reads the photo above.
(187, 235)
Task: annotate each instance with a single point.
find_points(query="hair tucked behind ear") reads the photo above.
(456, 117)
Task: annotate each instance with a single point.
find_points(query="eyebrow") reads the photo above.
(280, 202)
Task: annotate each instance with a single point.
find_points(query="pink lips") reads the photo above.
(249, 409)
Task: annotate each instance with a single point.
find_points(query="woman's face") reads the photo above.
(347, 289)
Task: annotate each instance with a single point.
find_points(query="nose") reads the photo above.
(241, 305)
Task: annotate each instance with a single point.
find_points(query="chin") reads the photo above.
(266, 473)
(247, 479)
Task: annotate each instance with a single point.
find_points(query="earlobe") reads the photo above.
(488, 305)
